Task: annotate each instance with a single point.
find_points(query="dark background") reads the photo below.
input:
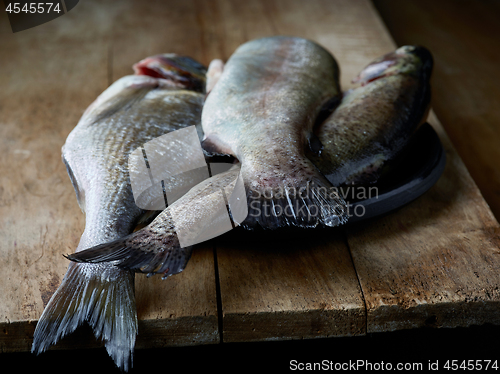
(414, 346)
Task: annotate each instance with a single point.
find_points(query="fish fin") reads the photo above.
(120, 96)
(303, 197)
(144, 251)
(104, 298)
(212, 148)
(214, 72)
(80, 193)
(146, 219)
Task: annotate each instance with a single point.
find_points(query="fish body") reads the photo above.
(132, 111)
(262, 111)
(374, 122)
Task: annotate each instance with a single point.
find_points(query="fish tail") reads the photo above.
(301, 197)
(144, 251)
(102, 295)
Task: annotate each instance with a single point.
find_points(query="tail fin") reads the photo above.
(146, 251)
(102, 295)
(301, 197)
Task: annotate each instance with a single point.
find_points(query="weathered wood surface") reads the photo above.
(50, 74)
(464, 38)
(433, 262)
(292, 286)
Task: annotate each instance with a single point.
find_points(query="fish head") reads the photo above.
(182, 71)
(409, 59)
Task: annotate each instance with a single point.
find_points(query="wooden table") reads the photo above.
(433, 263)
(466, 89)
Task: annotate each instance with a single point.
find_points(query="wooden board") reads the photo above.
(431, 263)
(292, 286)
(49, 76)
(434, 262)
(42, 98)
(465, 42)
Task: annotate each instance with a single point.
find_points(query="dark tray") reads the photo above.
(418, 169)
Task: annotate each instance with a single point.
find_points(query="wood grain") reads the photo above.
(182, 310)
(45, 88)
(464, 39)
(397, 259)
(288, 286)
(259, 282)
(434, 262)
(50, 75)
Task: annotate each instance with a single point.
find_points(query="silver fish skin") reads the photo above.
(156, 249)
(132, 111)
(375, 121)
(262, 110)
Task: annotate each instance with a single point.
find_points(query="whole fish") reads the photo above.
(272, 90)
(164, 95)
(374, 122)
(371, 125)
(262, 110)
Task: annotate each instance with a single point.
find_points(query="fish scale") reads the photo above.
(156, 247)
(262, 111)
(375, 121)
(131, 112)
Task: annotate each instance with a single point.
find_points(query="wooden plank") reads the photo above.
(288, 286)
(465, 43)
(431, 263)
(282, 288)
(143, 29)
(463, 40)
(45, 88)
(50, 75)
(434, 262)
(181, 310)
